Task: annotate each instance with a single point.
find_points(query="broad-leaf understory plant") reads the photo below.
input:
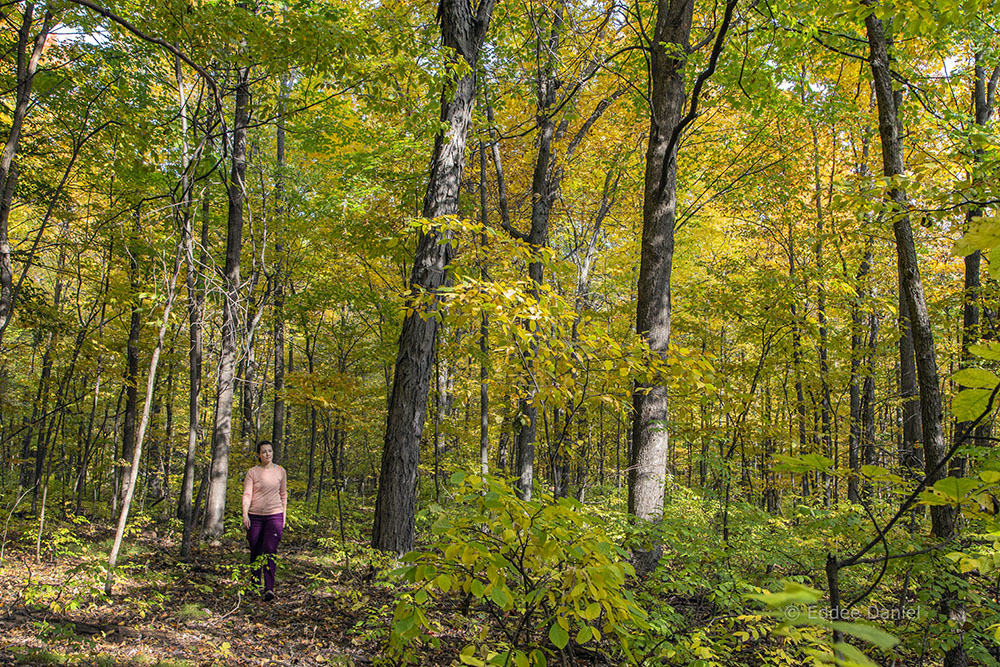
(539, 579)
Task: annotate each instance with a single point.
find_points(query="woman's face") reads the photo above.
(265, 454)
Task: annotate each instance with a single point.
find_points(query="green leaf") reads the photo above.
(854, 656)
(975, 378)
(500, 597)
(804, 463)
(558, 636)
(793, 593)
(989, 350)
(468, 657)
(990, 476)
(968, 404)
(868, 633)
(956, 488)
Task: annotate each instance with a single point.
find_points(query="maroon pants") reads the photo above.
(263, 537)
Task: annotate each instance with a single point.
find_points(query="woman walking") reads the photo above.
(265, 500)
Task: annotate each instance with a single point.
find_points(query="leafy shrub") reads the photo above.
(540, 577)
(82, 587)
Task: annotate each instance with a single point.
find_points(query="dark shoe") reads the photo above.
(268, 596)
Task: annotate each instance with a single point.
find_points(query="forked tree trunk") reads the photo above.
(222, 432)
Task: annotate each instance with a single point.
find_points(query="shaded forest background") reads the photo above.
(649, 333)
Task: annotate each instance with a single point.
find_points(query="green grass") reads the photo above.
(191, 612)
(28, 655)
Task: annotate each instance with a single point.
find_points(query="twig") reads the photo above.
(239, 599)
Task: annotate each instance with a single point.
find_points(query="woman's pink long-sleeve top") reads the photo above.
(264, 490)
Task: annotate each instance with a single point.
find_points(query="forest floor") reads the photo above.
(329, 611)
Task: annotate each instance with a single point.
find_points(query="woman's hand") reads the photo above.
(246, 522)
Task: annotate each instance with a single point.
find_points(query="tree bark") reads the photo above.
(222, 432)
(909, 391)
(856, 382)
(484, 331)
(943, 518)
(648, 452)
(395, 505)
(132, 364)
(544, 189)
(195, 298)
(27, 65)
(143, 424)
(278, 414)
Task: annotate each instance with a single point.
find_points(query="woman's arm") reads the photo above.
(283, 493)
(247, 499)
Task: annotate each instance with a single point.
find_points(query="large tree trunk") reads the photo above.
(648, 454)
(943, 518)
(222, 432)
(27, 65)
(395, 505)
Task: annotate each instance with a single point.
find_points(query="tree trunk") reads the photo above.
(982, 100)
(826, 406)
(395, 505)
(544, 188)
(132, 363)
(909, 392)
(222, 432)
(137, 450)
(310, 357)
(196, 297)
(484, 332)
(27, 65)
(857, 355)
(943, 518)
(648, 453)
(278, 414)
(185, 497)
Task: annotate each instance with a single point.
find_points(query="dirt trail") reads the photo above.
(176, 615)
